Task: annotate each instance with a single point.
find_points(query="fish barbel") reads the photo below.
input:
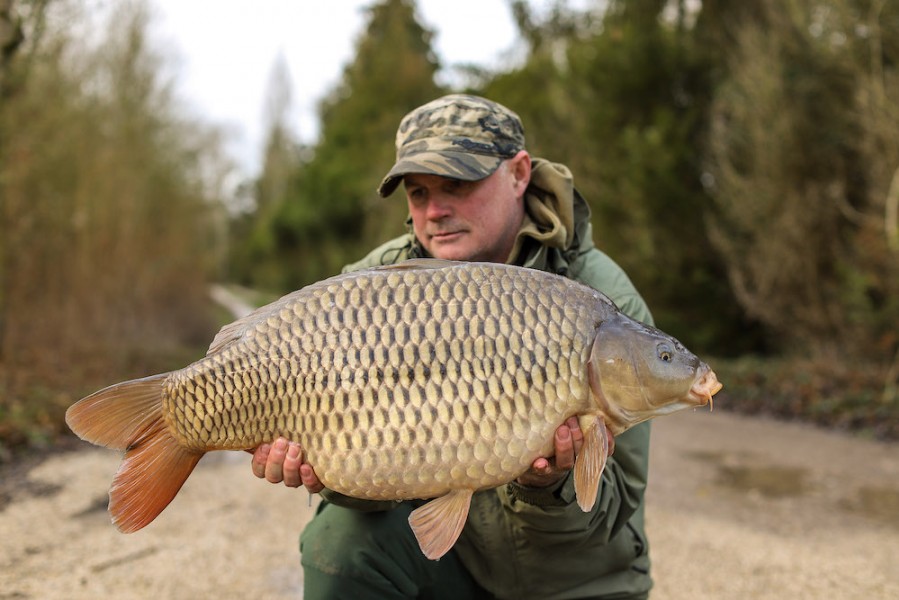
(425, 379)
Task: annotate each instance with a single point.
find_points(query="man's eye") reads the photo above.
(457, 187)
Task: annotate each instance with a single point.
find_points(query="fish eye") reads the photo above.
(665, 352)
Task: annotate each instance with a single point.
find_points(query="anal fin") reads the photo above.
(590, 461)
(438, 523)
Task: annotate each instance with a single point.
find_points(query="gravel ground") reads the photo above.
(738, 507)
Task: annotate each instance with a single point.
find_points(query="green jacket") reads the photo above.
(537, 543)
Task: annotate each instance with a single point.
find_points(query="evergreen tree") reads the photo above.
(332, 214)
(544, 91)
(621, 99)
(253, 255)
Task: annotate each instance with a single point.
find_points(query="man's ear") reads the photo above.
(520, 168)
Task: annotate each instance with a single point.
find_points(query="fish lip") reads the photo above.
(705, 386)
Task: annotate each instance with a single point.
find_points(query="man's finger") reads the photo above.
(310, 479)
(564, 445)
(577, 435)
(292, 462)
(260, 456)
(274, 466)
(611, 439)
(541, 466)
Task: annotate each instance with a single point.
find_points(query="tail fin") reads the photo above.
(128, 416)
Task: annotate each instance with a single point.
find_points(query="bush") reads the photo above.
(833, 393)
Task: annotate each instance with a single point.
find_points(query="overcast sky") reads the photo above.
(227, 49)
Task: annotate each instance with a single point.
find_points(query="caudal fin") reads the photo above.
(128, 416)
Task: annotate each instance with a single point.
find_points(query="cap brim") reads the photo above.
(455, 165)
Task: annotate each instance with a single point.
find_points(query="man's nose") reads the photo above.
(439, 207)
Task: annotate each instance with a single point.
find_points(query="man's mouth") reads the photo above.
(445, 236)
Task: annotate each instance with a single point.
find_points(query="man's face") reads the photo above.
(469, 220)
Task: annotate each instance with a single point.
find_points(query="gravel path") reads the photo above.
(738, 507)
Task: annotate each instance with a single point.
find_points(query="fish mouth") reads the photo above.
(705, 386)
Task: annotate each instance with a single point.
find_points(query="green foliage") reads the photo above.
(254, 258)
(330, 214)
(621, 99)
(830, 391)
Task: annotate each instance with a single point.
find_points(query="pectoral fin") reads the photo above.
(438, 523)
(590, 461)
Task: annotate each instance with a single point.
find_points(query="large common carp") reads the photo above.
(426, 379)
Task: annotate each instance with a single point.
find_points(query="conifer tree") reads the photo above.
(333, 214)
(619, 96)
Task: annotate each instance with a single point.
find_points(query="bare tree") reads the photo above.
(804, 146)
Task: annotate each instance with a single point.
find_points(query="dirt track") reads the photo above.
(738, 508)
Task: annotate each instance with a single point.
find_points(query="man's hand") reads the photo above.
(567, 442)
(282, 461)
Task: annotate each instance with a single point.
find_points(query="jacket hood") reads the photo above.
(556, 225)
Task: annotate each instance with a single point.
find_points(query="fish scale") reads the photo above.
(428, 379)
(393, 377)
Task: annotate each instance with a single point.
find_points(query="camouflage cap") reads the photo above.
(459, 136)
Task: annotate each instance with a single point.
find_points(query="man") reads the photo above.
(474, 193)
